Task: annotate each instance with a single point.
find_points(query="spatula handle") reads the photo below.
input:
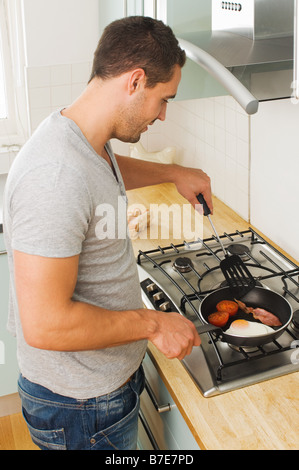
(202, 201)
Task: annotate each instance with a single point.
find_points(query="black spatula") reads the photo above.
(236, 273)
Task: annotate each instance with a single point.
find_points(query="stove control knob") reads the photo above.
(165, 306)
(151, 287)
(158, 296)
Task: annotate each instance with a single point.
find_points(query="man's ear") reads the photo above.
(137, 79)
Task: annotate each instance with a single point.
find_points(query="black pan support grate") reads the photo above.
(274, 271)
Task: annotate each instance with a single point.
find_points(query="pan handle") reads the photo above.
(207, 328)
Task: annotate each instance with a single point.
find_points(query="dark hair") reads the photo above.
(138, 42)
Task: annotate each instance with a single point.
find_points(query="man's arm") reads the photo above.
(51, 320)
(189, 181)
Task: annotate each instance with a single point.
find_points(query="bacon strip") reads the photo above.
(260, 314)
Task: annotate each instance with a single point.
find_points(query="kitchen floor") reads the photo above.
(14, 434)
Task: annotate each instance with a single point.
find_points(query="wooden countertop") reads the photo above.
(259, 417)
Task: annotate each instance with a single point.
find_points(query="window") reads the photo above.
(11, 80)
(3, 105)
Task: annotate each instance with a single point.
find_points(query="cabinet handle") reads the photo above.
(159, 408)
(155, 7)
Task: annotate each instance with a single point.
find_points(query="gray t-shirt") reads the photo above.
(62, 199)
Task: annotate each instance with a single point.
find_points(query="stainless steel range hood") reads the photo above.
(254, 19)
(252, 40)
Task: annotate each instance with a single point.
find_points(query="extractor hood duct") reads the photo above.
(235, 88)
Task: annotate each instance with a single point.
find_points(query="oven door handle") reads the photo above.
(159, 408)
(148, 431)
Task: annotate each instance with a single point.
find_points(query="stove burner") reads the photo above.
(244, 349)
(240, 250)
(183, 265)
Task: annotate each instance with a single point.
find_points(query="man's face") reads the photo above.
(147, 106)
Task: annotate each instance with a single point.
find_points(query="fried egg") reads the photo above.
(248, 328)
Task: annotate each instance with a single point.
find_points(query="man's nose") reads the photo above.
(162, 114)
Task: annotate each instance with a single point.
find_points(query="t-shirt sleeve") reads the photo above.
(50, 209)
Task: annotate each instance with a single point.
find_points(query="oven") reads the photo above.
(179, 278)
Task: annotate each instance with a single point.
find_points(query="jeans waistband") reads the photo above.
(38, 391)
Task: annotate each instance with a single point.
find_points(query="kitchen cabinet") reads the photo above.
(8, 361)
(168, 430)
(110, 11)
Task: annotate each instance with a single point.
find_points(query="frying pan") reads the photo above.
(256, 297)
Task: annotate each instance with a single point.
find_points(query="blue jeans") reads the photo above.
(107, 422)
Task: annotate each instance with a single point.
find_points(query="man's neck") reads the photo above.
(91, 114)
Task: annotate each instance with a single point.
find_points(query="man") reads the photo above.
(76, 307)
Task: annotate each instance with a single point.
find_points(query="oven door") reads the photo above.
(161, 425)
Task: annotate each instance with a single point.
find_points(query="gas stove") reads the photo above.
(178, 277)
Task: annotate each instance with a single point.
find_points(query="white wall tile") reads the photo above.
(219, 114)
(61, 95)
(76, 90)
(200, 127)
(230, 120)
(38, 115)
(61, 74)
(231, 146)
(213, 133)
(40, 97)
(230, 170)
(81, 72)
(52, 87)
(242, 204)
(209, 110)
(209, 133)
(242, 126)
(38, 77)
(220, 139)
(243, 153)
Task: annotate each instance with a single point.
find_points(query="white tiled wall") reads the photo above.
(212, 134)
(52, 87)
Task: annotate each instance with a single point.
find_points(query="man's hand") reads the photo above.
(175, 336)
(191, 182)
